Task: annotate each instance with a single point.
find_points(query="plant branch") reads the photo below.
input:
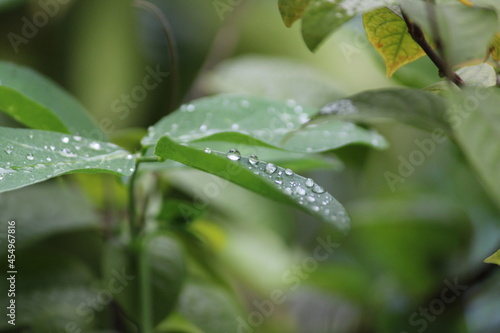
(418, 36)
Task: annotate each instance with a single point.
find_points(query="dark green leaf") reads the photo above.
(410, 106)
(32, 156)
(291, 10)
(39, 103)
(264, 178)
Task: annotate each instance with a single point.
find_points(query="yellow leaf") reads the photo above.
(388, 33)
(495, 47)
(466, 2)
(292, 10)
(493, 259)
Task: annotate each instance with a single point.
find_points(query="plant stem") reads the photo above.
(134, 228)
(418, 36)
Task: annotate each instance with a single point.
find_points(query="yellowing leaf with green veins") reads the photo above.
(493, 259)
(291, 10)
(388, 33)
(495, 47)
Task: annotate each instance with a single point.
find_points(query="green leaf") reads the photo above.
(210, 307)
(475, 118)
(495, 47)
(410, 106)
(52, 210)
(264, 178)
(388, 33)
(291, 10)
(32, 156)
(284, 79)
(493, 259)
(156, 270)
(322, 17)
(260, 120)
(39, 103)
(465, 32)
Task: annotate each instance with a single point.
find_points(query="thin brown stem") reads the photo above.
(418, 36)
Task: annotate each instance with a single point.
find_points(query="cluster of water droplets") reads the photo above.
(50, 160)
(304, 190)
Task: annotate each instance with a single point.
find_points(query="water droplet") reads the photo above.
(39, 166)
(132, 169)
(310, 199)
(288, 191)
(203, 128)
(309, 182)
(67, 153)
(300, 191)
(289, 172)
(233, 154)
(270, 168)
(30, 136)
(49, 159)
(235, 127)
(279, 182)
(318, 189)
(65, 139)
(190, 108)
(119, 170)
(30, 157)
(129, 157)
(52, 148)
(95, 145)
(1, 177)
(208, 150)
(9, 149)
(77, 138)
(315, 208)
(253, 159)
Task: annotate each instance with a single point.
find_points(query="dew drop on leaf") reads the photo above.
(318, 189)
(9, 149)
(95, 145)
(309, 182)
(30, 157)
(270, 168)
(65, 139)
(207, 150)
(253, 159)
(289, 172)
(233, 155)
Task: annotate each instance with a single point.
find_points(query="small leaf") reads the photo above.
(482, 75)
(39, 103)
(322, 17)
(493, 259)
(388, 33)
(285, 79)
(32, 156)
(291, 10)
(410, 106)
(260, 121)
(264, 178)
(475, 118)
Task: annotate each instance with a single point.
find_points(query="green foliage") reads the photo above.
(135, 238)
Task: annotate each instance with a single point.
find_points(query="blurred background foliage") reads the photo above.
(437, 225)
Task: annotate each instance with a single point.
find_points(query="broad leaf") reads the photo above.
(32, 156)
(291, 10)
(493, 259)
(475, 118)
(285, 79)
(260, 120)
(388, 33)
(410, 106)
(322, 17)
(264, 178)
(156, 270)
(39, 103)
(465, 32)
